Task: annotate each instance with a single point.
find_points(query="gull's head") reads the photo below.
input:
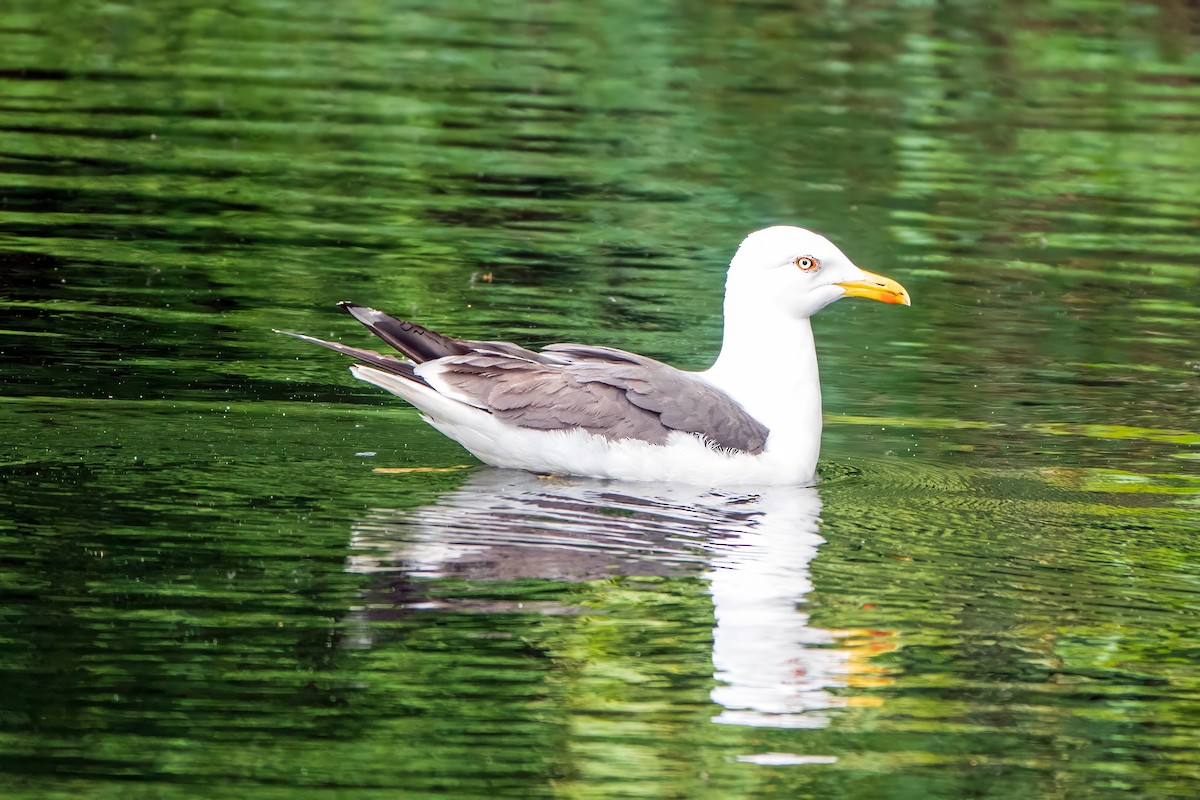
(800, 272)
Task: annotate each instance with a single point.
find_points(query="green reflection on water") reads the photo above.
(1005, 602)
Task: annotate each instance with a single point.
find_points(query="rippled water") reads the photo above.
(219, 575)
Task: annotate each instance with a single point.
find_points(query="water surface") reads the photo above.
(215, 582)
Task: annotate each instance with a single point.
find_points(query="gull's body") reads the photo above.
(753, 417)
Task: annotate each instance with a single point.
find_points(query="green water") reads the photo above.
(207, 589)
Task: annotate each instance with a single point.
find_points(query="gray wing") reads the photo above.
(607, 392)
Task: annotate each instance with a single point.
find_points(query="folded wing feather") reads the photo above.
(605, 391)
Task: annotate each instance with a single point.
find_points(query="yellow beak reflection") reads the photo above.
(877, 287)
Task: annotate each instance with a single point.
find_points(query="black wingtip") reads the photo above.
(415, 342)
(364, 314)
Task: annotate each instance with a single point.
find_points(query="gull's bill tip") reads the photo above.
(877, 287)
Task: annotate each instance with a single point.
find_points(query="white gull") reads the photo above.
(753, 417)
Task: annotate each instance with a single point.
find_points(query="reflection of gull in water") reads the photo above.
(755, 548)
(764, 650)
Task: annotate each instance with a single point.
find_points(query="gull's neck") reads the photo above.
(768, 363)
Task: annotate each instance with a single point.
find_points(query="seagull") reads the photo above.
(753, 417)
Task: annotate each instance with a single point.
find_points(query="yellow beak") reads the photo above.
(877, 287)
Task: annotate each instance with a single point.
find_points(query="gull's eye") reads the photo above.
(807, 263)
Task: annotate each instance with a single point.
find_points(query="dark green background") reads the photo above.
(1011, 498)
